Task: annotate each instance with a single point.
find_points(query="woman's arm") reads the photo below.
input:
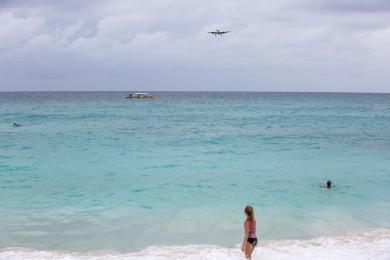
(246, 234)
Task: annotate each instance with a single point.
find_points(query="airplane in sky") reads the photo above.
(218, 32)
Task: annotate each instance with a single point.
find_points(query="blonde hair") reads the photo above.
(250, 213)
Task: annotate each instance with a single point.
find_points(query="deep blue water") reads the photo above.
(95, 170)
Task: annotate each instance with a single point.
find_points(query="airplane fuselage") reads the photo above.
(218, 32)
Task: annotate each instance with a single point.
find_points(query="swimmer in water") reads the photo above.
(327, 185)
(16, 124)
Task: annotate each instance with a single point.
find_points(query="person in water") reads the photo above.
(16, 124)
(250, 239)
(328, 185)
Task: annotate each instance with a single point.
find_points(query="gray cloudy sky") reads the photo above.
(301, 45)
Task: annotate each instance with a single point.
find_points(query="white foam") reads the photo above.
(371, 245)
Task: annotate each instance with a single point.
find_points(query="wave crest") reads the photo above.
(370, 245)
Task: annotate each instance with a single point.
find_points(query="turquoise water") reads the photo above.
(96, 171)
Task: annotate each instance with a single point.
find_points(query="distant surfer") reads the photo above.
(16, 124)
(327, 185)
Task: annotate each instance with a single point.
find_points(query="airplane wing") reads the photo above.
(226, 32)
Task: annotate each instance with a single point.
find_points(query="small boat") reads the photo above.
(140, 95)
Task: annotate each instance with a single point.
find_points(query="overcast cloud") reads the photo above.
(301, 45)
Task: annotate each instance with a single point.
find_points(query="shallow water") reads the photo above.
(371, 245)
(96, 171)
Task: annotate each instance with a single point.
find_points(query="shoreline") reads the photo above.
(374, 244)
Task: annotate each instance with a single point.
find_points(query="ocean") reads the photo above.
(93, 174)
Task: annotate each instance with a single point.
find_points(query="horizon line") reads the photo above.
(193, 91)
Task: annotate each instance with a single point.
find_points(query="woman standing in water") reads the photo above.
(250, 239)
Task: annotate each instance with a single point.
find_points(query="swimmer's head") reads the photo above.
(328, 184)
